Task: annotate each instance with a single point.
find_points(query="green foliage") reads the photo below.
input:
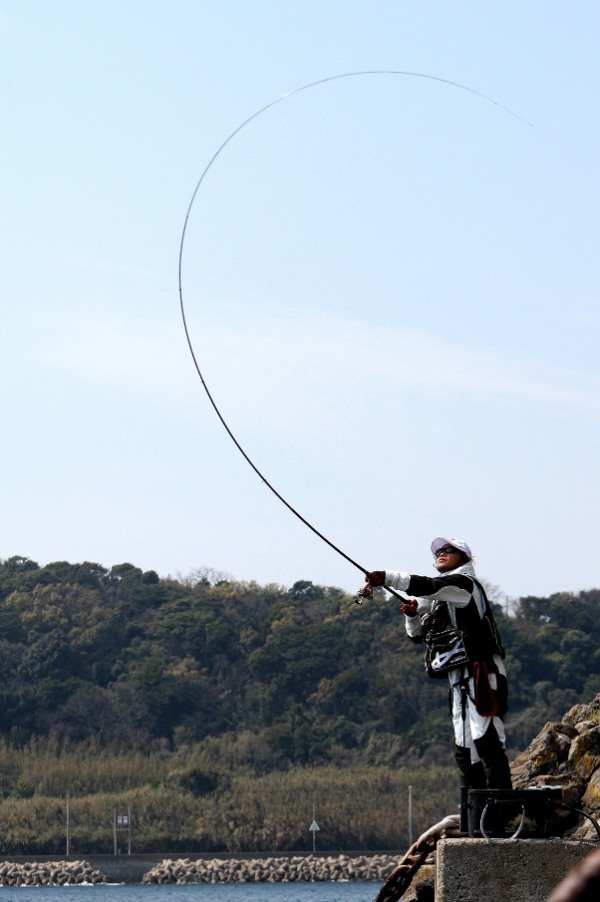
(208, 691)
(179, 805)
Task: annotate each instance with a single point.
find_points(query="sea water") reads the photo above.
(195, 892)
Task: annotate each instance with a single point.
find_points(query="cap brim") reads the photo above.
(440, 541)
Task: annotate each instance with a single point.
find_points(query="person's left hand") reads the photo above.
(410, 607)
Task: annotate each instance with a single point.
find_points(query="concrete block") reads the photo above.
(472, 870)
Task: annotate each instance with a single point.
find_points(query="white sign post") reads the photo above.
(314, 828)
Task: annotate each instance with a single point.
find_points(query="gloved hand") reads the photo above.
(410, 607)
(376, 578)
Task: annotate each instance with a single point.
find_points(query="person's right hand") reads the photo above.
(376, 578)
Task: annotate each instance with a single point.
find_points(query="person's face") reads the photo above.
(447, 558)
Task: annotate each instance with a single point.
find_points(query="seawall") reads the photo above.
(466, 870)
(116, 868)
(133, 868)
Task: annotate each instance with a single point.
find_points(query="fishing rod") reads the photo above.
(366, 591)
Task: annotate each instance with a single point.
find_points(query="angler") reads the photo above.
(451, 615)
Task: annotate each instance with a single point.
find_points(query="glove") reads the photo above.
(376, 578)
(410, 607)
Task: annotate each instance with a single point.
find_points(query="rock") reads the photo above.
(547, 750)
(567, 729)
(580, 713)
(591, 797)
(54, 873)
(584, 754)
(295, 869)
(585, 725)
(422, 888)
(567, 754)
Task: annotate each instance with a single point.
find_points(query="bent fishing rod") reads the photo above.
(365, 592)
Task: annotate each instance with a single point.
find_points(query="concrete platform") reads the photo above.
(472, 870)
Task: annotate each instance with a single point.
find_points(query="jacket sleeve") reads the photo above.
(456, 589)
(414, 628)
(398, 579)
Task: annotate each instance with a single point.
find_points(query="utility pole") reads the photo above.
(68, 823)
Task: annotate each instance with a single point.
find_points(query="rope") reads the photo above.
(401, 877)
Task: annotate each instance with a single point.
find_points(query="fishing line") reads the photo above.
(212, 160)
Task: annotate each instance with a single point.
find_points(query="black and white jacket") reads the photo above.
(457, 596)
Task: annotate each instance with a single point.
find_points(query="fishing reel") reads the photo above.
(365, 592)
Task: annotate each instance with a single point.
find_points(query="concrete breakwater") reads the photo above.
(298, 868)
(157, 868)
(48, 873)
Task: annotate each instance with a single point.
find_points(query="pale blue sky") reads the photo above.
(391, 285)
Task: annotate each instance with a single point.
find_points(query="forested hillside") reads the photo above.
(290, 676)
(223, 710)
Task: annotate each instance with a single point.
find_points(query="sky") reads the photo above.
(390, 281)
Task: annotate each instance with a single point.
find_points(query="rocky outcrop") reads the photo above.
(49, 873)
(567, 754)
(297, 868)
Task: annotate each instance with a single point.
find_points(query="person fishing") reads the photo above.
(451, 615)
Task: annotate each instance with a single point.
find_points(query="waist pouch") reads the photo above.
(444, 650)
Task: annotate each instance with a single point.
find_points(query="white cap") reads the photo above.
(440, 541)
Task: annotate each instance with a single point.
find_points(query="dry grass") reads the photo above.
(356, 807)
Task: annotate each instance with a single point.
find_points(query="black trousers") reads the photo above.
(493, 771)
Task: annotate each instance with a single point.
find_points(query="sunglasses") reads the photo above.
(447, 549)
